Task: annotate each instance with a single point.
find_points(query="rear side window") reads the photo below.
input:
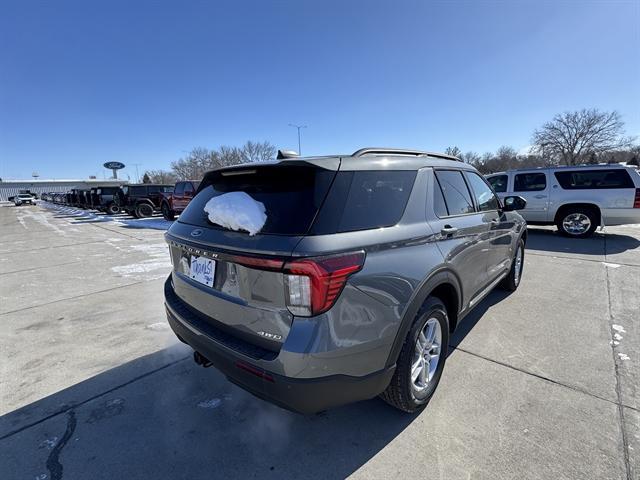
(292, 195)
(499, 183)
(137, 190)
(594, 179)
(364, 200)
(529, 182)
(485, 198)
(455, 191)
(439, 205)
(188, 188)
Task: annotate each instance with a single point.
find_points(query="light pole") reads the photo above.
(298, 127)
(137, 174)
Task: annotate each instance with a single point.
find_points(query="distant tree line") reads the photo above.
(586, 136)
(200, 160)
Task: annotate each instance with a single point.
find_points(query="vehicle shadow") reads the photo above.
(474, 316)
(546, 240)
(183, 421)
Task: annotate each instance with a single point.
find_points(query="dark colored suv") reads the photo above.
(143, 200)
(364, 267)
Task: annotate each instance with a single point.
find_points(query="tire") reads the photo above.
(143, 210)
(167, 213)
(113, 209)
(403, 392)
(512, 280)
(577, 222)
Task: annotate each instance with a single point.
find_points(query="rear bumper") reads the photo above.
(309, 395)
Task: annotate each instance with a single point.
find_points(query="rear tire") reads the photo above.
(577, 222)
(167, 213)
(113, 209)
(143, 210)
(512, 280)
(410, 392)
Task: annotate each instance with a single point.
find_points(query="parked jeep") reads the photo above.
(175, 202)
(83, 198)
(105, 199)
(362, 268)
(143, 200)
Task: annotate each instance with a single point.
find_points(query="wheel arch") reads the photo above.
(568, 206)
(443, 284)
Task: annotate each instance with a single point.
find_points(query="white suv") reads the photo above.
(576, 199)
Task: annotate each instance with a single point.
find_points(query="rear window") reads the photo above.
(291, 195)
(594, 179)
(364, 200)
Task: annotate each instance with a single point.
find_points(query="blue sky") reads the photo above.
(82, 83)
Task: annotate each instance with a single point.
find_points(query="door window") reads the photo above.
(499, 183)
(530, 182)
(455, 191)
(179, 188)
(439, 206)
(485, 198)
(188, 189)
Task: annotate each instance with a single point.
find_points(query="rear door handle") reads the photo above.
(540, 196)
(448, 230)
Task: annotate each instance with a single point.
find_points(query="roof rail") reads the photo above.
(401, 151)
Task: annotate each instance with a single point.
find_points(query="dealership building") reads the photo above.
(11, 188)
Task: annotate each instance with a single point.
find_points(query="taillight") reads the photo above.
(636, 202)
(314, 284)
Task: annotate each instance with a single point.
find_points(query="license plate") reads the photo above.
(202, 270)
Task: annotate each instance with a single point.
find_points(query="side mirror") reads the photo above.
(513, 202)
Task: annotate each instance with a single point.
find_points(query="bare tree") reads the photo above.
(258, 152)
(472, 158)
(160, 176)
(572, 137)
(453, 151)
(195, 164)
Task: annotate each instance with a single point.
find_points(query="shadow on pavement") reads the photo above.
(551, 241)
(183, 421)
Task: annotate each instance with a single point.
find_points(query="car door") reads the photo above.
(187, 195)
(534, 188)
(500, 229)
(178, 203)
(462, 233)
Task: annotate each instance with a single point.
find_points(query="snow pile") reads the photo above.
(237, 211)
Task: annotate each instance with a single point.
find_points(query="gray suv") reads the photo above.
(365, 266)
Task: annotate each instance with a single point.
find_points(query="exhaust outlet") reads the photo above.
(201, 360)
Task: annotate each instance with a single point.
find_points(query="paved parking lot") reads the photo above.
(544, 383)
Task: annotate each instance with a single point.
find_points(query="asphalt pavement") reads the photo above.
(540, 384)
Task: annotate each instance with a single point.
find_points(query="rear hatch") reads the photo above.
(234, 279)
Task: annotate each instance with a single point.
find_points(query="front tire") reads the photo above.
(421, 359)
(577, 222)
(167, 213)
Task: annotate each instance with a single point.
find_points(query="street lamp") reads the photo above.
(298, 127)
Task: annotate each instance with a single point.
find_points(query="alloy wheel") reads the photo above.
(426, 355)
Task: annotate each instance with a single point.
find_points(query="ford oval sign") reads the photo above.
(114, 165)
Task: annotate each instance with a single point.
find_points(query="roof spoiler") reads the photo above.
(401, 151)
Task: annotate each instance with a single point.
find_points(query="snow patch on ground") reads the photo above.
(237, 211)
(618, 328)
(611, 265)
(212, 403)
(623, 356)
(158, 327)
